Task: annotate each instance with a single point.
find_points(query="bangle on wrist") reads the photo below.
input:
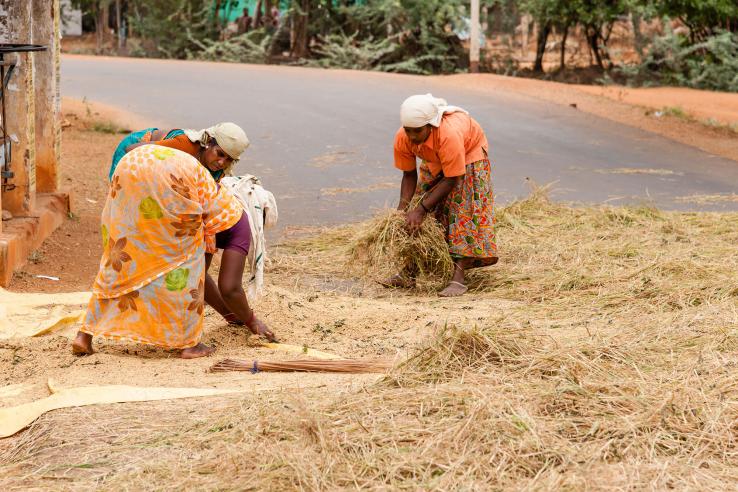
(424, 207)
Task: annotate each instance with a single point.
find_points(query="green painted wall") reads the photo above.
(233, 8)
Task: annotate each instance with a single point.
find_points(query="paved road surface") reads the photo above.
(318, 134)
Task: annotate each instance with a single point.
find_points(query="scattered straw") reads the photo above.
(708, 199)
(610, 365)
(636, 170)
(364, 189)
(333, 158)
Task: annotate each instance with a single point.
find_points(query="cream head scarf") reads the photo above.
(424, 109)
(229, 136)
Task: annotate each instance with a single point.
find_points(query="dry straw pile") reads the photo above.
(372, 251)
(383, 247)
(615, 368)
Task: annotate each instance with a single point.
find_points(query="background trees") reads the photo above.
(684, 42)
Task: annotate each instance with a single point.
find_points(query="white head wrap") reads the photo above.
(229, 136)
(424, 109)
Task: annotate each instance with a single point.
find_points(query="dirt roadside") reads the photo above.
(704, 106)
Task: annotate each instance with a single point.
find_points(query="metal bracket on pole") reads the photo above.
(6, 71)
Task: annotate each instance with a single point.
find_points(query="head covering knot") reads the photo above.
(424, 109)
(231, 138)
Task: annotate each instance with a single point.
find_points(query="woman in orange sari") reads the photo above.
(162, 212)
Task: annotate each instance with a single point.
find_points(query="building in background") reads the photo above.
(71, 19)
(232, 10)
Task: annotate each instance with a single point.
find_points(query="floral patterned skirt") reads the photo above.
(467, 213)
(167, 312)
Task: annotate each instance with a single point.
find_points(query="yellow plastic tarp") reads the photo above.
(13, 389)
(15, 419)
(29, 315)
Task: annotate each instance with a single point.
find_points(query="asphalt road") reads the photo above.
(322, 140)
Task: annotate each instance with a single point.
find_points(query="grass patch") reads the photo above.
(676, 111)
(108, 127)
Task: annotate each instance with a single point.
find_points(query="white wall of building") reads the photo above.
(71, 19)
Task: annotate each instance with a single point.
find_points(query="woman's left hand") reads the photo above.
(414, 219)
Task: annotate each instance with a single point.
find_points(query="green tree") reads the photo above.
(550, 14)
(171, 28)
(596, 16)
(423, 30)
(704, 18)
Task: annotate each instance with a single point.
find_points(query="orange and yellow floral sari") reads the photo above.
(162, 210)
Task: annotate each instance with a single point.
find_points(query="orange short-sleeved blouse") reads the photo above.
(458, 141)
(183, 143)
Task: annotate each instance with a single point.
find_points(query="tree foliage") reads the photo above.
(424, 32)
(171, 27)
(423, 36)
(704, 18)
(596, 17)
(673, 60)
(250, 47)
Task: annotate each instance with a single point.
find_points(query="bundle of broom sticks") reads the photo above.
(345, 366)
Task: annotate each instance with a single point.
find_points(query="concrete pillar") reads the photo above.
(46, 29)
(20, 111)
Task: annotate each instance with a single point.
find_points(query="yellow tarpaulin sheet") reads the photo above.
(13, 390)
(15, 419)
(28, 315)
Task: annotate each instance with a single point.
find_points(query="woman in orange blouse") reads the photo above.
(454, 179)
(162, 212)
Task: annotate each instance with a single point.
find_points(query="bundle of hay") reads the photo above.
(384, 247)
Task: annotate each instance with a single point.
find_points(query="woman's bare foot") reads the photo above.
(199, 350)
(454, 289)
(82, 345)
(398, 282)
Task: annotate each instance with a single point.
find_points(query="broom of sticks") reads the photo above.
(344, 366)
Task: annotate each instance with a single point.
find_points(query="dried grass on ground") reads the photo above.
(615, 368)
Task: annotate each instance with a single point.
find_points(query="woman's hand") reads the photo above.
(258, 327)
(414, 219)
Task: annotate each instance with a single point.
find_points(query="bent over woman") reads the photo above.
(454, 179)
(162, 209)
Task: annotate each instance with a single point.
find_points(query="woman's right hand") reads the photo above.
(258, 327)
(414, 220)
